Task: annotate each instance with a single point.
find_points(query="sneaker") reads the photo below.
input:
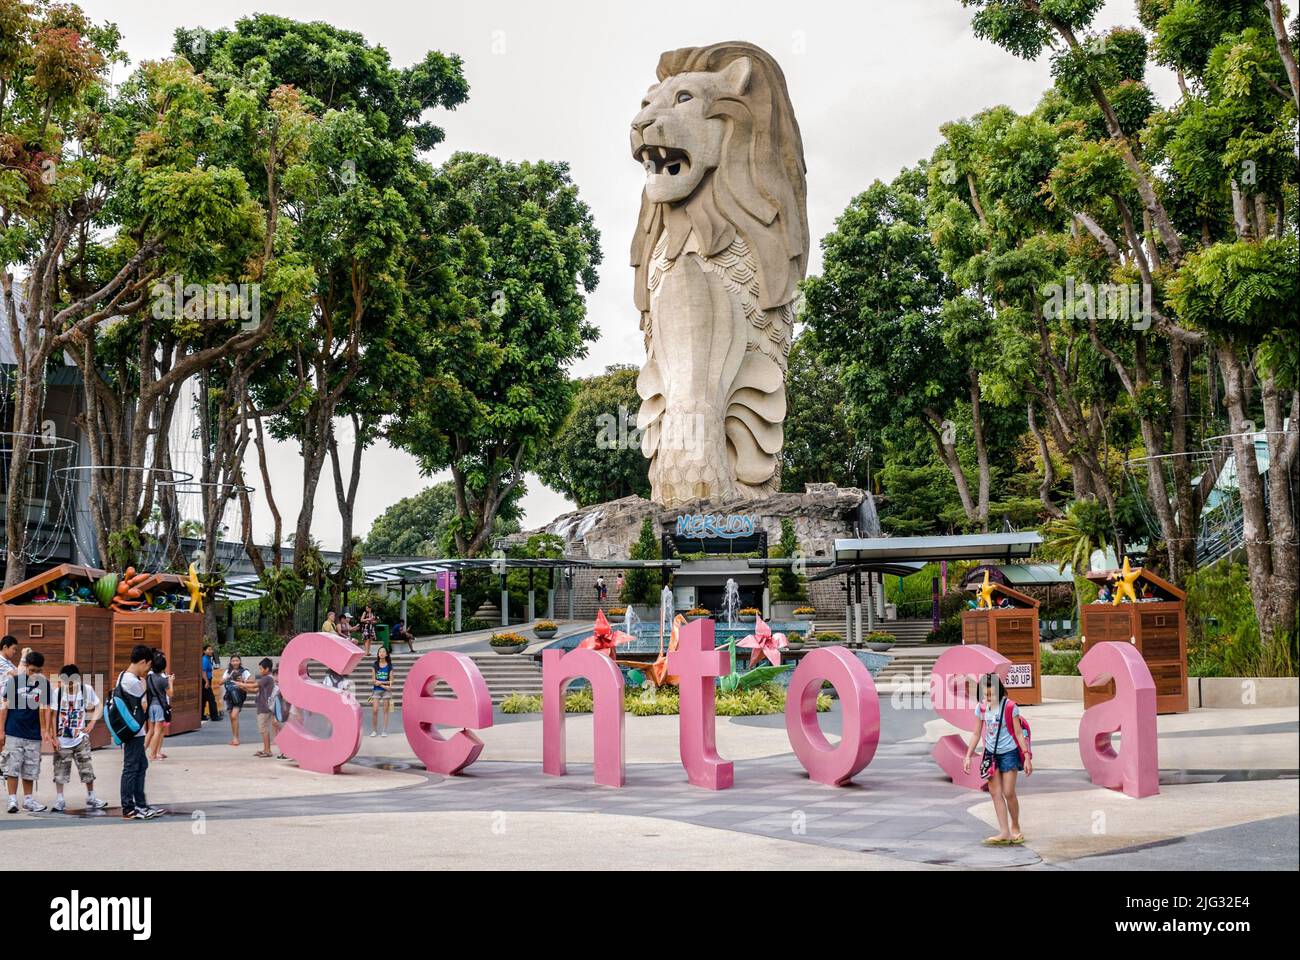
(384, 734)
(34, 806)
(148, 813)
(96, 803)
(13, 806)
(60, 804)
(130, 815)
(374, 733)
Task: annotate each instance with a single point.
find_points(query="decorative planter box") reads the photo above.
(511, 650)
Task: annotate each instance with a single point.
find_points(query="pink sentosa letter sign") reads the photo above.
(698, 664)
(860, 709)
(949, 683)
(422, 712)
(606, 713)
(321, 754)
(1135, 769)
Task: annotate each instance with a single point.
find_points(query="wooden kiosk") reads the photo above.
(1013, 632)
(99, 641)
(1156, 625)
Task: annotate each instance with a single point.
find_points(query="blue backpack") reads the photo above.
(123, 714)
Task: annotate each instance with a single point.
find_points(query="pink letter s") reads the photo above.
(948, 694)
(1135, 769)
(422, 712)
(323, 755)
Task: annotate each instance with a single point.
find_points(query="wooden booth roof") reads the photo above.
(1017, 598)
(1162, 588)
(46, 577)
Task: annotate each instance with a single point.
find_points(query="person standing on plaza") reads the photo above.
(208, 706)
(75, 709)
(266, 725)
(24, 728)
(8, 658)
(158, 684)
(237, 685)
(381, 692)
(368, 621)
(132, 691)
(1006, 753)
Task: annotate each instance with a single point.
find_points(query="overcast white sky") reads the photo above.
(871, 82)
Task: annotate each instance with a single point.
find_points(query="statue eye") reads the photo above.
(683, 97)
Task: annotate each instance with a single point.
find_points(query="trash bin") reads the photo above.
(381, 634)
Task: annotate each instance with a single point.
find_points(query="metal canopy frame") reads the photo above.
(977, 546)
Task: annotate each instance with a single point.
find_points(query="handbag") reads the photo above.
(986, 762)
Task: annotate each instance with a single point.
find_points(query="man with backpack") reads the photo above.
(126, 720)
(24, 727)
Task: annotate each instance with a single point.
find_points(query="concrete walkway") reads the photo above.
(1229, 793)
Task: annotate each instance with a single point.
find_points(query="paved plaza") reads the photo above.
(1228, 796)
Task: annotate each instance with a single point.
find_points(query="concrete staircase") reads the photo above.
(911, 663)
(503, 674)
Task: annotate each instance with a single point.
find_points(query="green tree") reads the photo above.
(595, 456)
(641, 586)
(510, 317)
(823, 444)
(421, 525)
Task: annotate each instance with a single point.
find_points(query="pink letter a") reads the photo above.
(1135, 769)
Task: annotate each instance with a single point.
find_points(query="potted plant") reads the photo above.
(804, 612)
(880, 641)
(747, 614)
(507, 643)
(794, 640)
(830, 638)
(697, 613)
(545, 629)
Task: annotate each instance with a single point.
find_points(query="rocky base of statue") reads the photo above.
(821, 514)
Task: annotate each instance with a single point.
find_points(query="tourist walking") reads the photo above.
(381, 692)
(24, 727)
(208, 706)
(1006, 753)
(237, 684)
(600, 589)
(131, 690)
(76, 708)
(266, 725)
(158, 687)
(368, 621)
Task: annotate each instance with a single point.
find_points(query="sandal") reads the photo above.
(261, 753)
(1017, 840)
(996, 842)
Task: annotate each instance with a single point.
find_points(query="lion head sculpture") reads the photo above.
(723, 155)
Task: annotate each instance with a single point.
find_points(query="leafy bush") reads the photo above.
(641, 583)
(546, 625)
(697, 612)
(880, 636)
(829, 636)
(507, 640)
(749, 611)
(949, 631)
(1059, 664)
(1067, 643)
(255, 643)
(805, 611)
(666, 701)
(1222, 633)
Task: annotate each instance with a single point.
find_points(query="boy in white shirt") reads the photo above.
(76, 709)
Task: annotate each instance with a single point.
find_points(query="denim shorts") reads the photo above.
(157, 712)
(1008, 761)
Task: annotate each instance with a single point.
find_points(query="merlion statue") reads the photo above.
(720, 248)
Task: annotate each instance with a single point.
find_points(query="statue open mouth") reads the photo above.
(660, 161)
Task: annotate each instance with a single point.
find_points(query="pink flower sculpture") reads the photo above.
(764, 643)
(605, 638)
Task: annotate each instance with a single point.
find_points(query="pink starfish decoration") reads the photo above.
(764, 643)
(605, 638)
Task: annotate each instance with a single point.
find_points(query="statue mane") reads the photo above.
(758, 190)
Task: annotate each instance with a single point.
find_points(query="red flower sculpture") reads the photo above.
(605, 639)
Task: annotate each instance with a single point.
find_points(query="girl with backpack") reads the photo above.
(158, 686)
(1006, 752)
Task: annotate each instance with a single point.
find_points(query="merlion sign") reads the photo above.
(720, 247)
(701, 526)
